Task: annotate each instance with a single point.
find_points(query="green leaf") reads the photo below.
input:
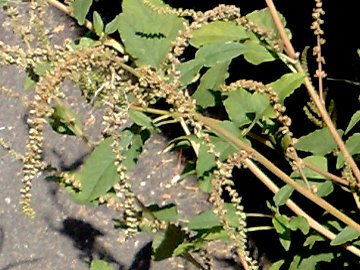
(346, 235)
(240, 102)
(132, 151)
(217, 31)
(318, 161)
(174, 236)
(287, 84)
(232, 128)
(256, 54)
(283, 195)
(219, 52)
(299, 222)
(206, 161)
(187, 247)
(213, 77)
(100, 265)
(281, 225)
(81, 9)
(353, 146)
(41, 68)
(324, 189)
(310, 263)
(147, 34)
(112, 26)
(312, 239)
(317, 181)
(277, 265)
(319, 142)
(141, 119)
(29, 82)
(65, 121)
(208, 220)
(189, 70)
(263, 19)
(204, 221)
(353, 121)
(98, 173)
(164, 213)
(98, 23)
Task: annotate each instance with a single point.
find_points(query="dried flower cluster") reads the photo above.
(105, 79)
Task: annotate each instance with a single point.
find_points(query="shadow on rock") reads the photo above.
(142, 259)
(84, 237)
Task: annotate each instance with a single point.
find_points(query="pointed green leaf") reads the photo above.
(319, 142)
(141, 119)
(256, 54)
(353, 121)
(277, 265)
(112, 26)
(98, 23)
(287, 84)
(283, 195)
(147, 34)
(211, 80)
(217, 31)
(346, 235)
(281, 225)
(81, 9)
(353, 146)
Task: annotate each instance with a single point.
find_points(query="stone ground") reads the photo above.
(65, 235)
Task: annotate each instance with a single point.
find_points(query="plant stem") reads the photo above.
(312, 92)
(213, 125)
(295, 208)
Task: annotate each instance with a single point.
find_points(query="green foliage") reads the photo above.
(165, 246)
(146, 34)
(100, 265)
(65, 121)
(346, 235)
(318, 142)
(81, 9)
(98, 23)
(190, 87)
(98, 173)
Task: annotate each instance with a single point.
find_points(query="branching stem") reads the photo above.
(312, 92)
